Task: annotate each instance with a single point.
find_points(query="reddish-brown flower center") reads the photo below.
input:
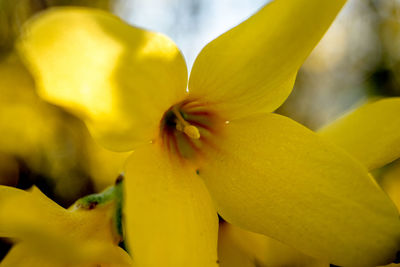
(188, 128)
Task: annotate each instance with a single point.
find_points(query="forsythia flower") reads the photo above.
(30, 131)
(216, 146)
(46, 234)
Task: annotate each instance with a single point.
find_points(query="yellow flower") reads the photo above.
(30, 130)
(46, 234)
(216, 146)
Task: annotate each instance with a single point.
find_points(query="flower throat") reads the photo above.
(188, 127)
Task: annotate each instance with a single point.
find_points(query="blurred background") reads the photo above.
(43, 145)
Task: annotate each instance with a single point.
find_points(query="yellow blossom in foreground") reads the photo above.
(216, 146)
(46, 234)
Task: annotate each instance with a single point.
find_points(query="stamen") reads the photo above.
(183, 126)
(192, 131)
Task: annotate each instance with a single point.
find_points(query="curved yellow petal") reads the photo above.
(118, 78)
(233, 253)
(241, 248)
(103, 165)
(62, 252)
(371, 133)
(40, 225)
(21, 212)
(25, 214)
(170, 218)
(271, 175)
(252, 67)
(20, 255)
(30, 213)
(390, 182)
(59, 250)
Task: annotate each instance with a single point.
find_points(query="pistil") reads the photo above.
(183, 126)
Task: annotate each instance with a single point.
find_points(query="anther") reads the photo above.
(183, 126)
(191, 131)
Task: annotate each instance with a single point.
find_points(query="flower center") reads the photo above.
(184, 126)
(188, 128)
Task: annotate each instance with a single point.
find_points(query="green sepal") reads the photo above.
(112, 193)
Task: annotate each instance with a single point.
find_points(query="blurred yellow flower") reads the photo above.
(46, 234)
(50, 141)
(370, 133)
(27, 123)
(216, 146)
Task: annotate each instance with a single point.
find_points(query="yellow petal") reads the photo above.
(118, 78)
(170, 218)
(232, 253)
(252, 67)
(273, 176)
(241, 248)
(23, 213)
(20, 255)
(62, 252)
(370, 133)
(103, 165)
(390, 182)
(40, 225)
